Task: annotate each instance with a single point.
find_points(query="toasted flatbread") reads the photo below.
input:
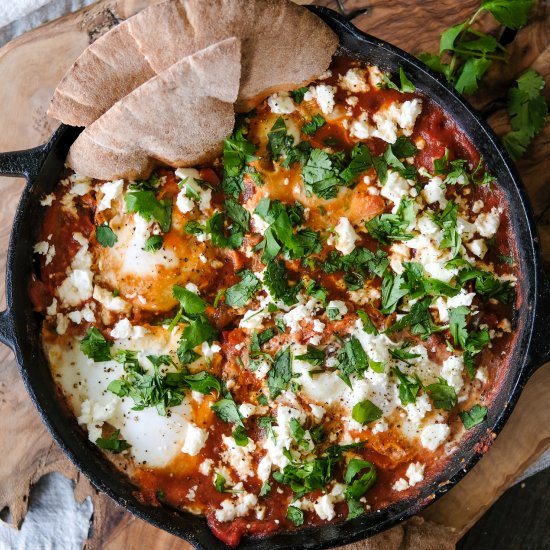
(179, 118)
(284, 46)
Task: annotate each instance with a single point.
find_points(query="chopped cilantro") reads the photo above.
(227, 410)
(242, 292)
(298, 95)
(390, 227)
(476, 415)
(276, 280)
(295, 515)
(240, 436)
(149, 207)
(408, 387)
(419, 320)
(366, 411)
(316, 122)
(280, 374)
(314, 356)
(443, 395)
(112, 443)
(406, 86)
(96, 346)
(153, 243)
(105, 235)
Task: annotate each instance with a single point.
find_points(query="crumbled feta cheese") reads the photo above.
(433, 435)
(62, 324)
(352, 100)
(324, 506)
(236, 507)
(123, 330)
(354, 80)
(346, 236)
(247, 410)
(481, 375)
(46, 249)
(451, 370)
(281, 103)
(111, 190)
(487, 224)
(52, 308)
(415, 473)
(208, 350)
(317, 411)
(380, 426)
(434, 191)
(318, 326)
(444, 304)
(417, 411)
(400, 485)
(477, 206)
(324, 95)
(361, 128)
(264, 468)
(239, 457)
(195, 438)
(396, 188)
(478, 247)
(112, 303)
(339, 305)
(206, 466)
(397, 116)
(47, 200)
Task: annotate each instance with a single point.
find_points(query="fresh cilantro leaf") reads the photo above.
(361, 161)
(105, 235)
(408, 387)
(242, 292)
(237, 152)
(298, 95)
(476, 415)
(266, 423)
(95, 346)
(227, 410)
(276, 280)
(527, 110)
(295, 515)
(358, 485)
(191, 303)
(393, 289)
(152, 184)
(149, 207)
(321, 174)
(487, 285)
(278, 139)
(280, 374)
(443, 395)
(391, 227)
(511, 13)
(419, 320)
(240, 436)
(508, 260)
(352, 359)
(222, 236)
(219, 483)
(238, 214)
(316, 122)
(198, 330)
(112, 443)
(401, 353)
(355, 509)
(368, 326)
(406, 86)
(365, 412)
(457, 324)
(448, 221)
(313, 288)
(313, 355)
(153, 243)
(470, 74)
(265, 489)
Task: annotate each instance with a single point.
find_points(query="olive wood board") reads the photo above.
(31, 66)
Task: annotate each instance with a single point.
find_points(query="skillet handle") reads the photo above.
(539, 349)
(6, 329)
(25, 164)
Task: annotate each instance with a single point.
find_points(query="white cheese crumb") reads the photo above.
(451, 370)
(208, 350)
(206, 466)
(396, 188)
(112, 303)
(324, 95)
(400, 485)
(434, 191)
(111, 190)
(123, 329)
(354, 80)
(415, 473)
(281, 103)
(52, 308)
(433, 435)
(346, 236)
(47, 200)
(339, 305)
(488, 223)
(478, 247)
(477, 206)
(234, 508)
(195, 438)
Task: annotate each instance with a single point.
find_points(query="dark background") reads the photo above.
(520, 519)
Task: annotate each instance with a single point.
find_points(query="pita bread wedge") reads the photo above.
(179, 118)
(80, 98)
(284, 46)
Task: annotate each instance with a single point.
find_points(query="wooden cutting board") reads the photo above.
(30, 68)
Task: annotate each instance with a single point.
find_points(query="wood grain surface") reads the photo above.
(32, 65)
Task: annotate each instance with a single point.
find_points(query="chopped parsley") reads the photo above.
(153, 243)
(276, 280)
(295, 515)
(408, 387)
(150, 208)
(313, 355)
(443, 395)
(280, 374)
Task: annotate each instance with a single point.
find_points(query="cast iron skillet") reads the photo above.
(19, 326)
